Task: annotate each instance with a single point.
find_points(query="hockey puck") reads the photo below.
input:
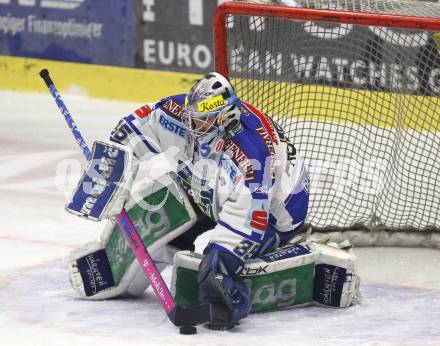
(188, 330)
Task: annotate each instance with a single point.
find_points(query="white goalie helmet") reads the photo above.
(210, 104)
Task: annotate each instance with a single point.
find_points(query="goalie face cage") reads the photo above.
(358, 95)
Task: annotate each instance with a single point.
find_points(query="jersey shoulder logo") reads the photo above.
(172, 108)
(143, 111)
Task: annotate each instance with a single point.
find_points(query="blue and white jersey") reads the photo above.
(250, 181)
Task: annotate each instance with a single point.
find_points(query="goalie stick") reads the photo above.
(185, 317)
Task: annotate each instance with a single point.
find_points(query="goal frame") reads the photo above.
(300, 13)
(361, 236)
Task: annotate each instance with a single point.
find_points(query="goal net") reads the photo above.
(356, 86)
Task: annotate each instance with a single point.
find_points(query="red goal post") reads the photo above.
(382, 110)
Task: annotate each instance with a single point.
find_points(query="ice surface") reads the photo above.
(401, 287)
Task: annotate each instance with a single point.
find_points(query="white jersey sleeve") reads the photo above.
(139, 131)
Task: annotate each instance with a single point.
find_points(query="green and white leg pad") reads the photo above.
(301, 274)
(108, 268)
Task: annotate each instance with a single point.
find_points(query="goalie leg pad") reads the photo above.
(295, 275)
(92, 277)
(275, 281)
(90, 273)
(337, 283)
(117, 261)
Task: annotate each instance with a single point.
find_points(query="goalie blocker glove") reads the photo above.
(218, 285)
(105, 184)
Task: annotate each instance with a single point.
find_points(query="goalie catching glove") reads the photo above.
(218, 285)
(105, 184)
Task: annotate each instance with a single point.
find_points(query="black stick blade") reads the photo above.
(193, 315)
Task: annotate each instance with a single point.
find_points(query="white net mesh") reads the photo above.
(361, 103)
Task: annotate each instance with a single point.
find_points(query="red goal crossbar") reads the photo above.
(319, 15)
